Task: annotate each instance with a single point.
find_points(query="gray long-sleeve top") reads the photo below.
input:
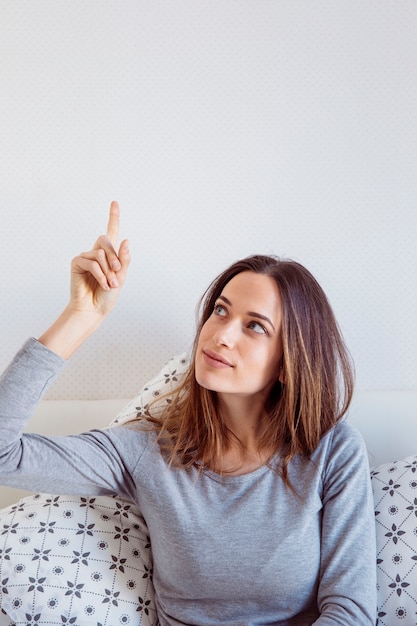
(228, 550)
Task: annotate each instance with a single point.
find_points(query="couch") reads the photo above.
(77, 560)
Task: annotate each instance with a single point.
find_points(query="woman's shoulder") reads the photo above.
(345, 433)
(131, 440)
(346, 449)
(136, 430)
(341, 445)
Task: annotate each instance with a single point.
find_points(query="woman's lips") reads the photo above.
(216, 360)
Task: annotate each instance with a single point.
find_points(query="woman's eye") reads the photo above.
(258, 328)
(219, 310)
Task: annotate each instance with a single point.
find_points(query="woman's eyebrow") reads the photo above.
(252, 313)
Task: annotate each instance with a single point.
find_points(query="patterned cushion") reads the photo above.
(81, 561)
(395, 498)
(163, 383)
(74, 560)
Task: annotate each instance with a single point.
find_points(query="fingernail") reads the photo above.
(115, 264)
(114, 282)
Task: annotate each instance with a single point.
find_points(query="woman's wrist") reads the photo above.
(70, 331)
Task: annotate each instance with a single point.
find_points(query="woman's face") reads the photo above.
(239, 350)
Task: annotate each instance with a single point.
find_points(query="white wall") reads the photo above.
(224, 128)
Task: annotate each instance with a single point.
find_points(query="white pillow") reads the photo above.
(164, 382)
(74, 560)
(395, 498)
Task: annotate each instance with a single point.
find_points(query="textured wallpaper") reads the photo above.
(223, 128)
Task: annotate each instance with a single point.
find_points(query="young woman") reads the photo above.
(256, 492)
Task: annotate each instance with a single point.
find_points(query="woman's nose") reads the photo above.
(226, 336)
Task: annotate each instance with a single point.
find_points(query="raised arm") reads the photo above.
(66, 464)
(96, 279)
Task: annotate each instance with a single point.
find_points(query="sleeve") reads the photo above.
(25, 381)
(347, 587)
(93, 463)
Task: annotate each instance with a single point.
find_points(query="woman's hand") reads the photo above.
(98, 275)
(96, 279)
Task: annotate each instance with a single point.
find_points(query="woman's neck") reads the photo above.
(243, 417)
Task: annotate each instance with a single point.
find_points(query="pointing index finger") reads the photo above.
(113, 223)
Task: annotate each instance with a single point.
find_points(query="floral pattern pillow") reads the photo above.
(74, 560)
(163, 383)
(395, 500)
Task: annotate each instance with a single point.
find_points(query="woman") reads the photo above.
(255, 492)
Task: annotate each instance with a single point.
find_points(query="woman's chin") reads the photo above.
(207, 380)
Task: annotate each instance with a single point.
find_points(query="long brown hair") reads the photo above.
(317, 371)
